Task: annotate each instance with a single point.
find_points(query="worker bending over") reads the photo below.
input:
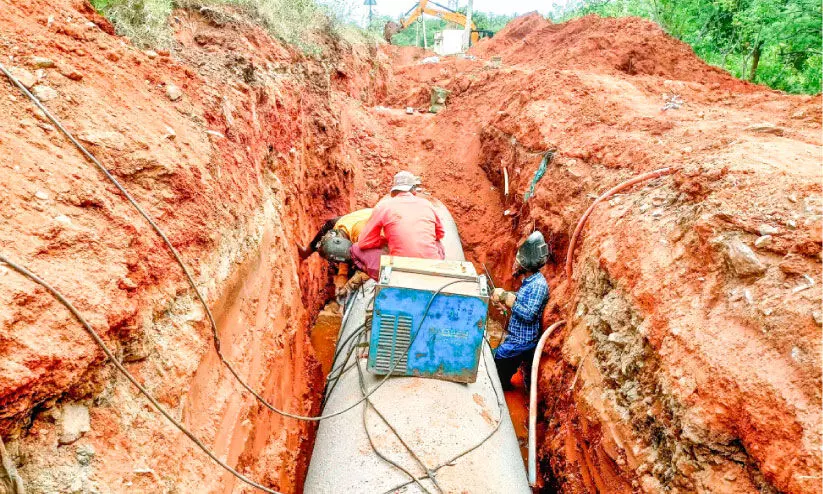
(334, 243)
(407, 224)
(527, 307)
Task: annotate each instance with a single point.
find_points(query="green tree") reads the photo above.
(772, 42)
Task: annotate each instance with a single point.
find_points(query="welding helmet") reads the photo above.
(533, 252)
(335, 247)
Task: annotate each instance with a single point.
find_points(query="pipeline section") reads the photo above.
(461, 433)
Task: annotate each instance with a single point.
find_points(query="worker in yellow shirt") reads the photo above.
(334, 243)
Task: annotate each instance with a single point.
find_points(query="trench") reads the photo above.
(335, 151)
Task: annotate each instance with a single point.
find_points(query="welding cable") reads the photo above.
(501, 410)
(340, 345)
(176, 255)
(100, 343)
(614, 190)
(374, 446)
(417, 458)
(394, 365)
(342, 369)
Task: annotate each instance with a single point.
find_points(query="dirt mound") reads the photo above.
(234, 143)
(689, 373)
(629, 45)
(690, 358)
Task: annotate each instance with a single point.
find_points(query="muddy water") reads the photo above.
(324, 334)
(518, 402)
(518, 398)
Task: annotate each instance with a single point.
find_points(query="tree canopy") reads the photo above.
(771, 42)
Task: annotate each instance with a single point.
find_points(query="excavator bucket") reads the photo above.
(390, 29)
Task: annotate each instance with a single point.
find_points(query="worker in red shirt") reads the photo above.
(404, 222)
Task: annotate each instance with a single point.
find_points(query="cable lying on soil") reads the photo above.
(99, 341)
(176, 255)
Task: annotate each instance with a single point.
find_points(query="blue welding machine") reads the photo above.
(428, 319)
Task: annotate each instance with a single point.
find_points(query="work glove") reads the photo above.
(504, 297)
(340, 285)
(304, 252)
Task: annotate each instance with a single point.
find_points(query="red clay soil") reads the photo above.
(238, 170)
(693, 351)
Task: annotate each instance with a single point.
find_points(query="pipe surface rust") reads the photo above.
(538, 352)
(614, 190)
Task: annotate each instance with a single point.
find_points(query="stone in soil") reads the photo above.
(74, 422)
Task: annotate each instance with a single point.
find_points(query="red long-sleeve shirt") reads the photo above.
(408, 224)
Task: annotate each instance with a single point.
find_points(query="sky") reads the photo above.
(396, 8)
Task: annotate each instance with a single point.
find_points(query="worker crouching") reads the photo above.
(406, 224)
(527, 306)
(335, 243)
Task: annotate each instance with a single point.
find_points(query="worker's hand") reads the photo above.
(341, 291)
(339, 284)
(496, 293)
(508, 299)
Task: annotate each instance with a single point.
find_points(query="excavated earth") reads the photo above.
(690, 358)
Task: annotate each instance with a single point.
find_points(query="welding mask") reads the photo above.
(533, 252)
(335, 247)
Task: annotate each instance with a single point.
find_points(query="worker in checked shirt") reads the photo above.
(527, 307)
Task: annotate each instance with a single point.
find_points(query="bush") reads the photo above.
(296, 22)
(145, 22)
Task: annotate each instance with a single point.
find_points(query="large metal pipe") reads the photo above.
(437, 419)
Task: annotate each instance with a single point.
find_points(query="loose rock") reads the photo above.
(151, 54)
(70, 72)
(41, 195)
(765, 229)
(742, 259)
(173, 92)
(766, 128)
(761, 241)
(84, 454)
(113, 140)
(42, 62)
(74, 423)
(25, 77)
(44, 93)
(63, 219)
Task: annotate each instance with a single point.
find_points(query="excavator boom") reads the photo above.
(430, 8)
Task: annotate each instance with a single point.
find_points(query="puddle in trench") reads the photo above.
(517, 399)
(324, 334)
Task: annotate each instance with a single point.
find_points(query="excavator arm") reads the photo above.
(433, 9)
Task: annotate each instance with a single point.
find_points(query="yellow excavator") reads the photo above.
(436, 10)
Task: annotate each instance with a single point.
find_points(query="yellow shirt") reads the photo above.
(353, 223)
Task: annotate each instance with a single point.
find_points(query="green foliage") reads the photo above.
(295, 22)
(772, 42)
(145, 22)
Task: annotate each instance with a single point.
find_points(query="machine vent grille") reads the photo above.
(393, 343)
